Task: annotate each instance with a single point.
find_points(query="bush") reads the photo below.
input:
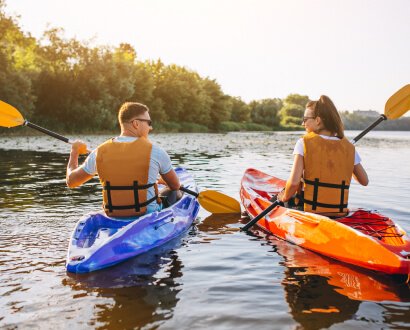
(193, 128)
(229, 126)
(294, 121)
(172, 127)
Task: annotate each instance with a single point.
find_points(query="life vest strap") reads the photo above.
(135, 187)
(318, 184)
(327, 185)
(109, 187)
(330, 206)
(127, 207)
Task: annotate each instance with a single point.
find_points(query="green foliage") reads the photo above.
(16, 62)
(291, 114)
(173, 127)
(193, 128)
(241, 112)
(265, 112)
(352, 121)
(287, 120)
(71, 86)
(301, 100)
(229, 126)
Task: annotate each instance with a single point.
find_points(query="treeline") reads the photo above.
(68, 85)
(353, 121)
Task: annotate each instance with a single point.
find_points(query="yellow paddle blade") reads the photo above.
(9, 116)
(398, 104)
(215, 202)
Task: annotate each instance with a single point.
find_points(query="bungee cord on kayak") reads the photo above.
(366, 220)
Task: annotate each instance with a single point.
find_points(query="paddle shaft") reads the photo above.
(46, 131)
(189, 191)
(260, 216)
(50, 133)
(368, 129)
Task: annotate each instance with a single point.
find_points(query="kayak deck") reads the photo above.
(99, 241)
(364, 238)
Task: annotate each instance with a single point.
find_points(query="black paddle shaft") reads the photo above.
(189, 191)
(46, 131)
(260, 216)
(368, 129)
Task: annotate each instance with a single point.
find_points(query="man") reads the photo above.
(128, 167)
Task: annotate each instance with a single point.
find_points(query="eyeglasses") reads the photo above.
(149, 121)
(306, 118)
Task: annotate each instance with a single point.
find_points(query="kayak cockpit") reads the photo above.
(95, 228)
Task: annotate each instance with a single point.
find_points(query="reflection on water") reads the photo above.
(143, 290)
(213, 276)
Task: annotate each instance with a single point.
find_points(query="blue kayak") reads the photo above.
(99, 241)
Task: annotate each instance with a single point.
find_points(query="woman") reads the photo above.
(326, 160)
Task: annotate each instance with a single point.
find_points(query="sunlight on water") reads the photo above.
(213, 276)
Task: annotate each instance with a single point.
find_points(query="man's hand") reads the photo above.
(160, 180)
(79, 148)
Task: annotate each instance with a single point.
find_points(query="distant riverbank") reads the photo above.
(170, 127)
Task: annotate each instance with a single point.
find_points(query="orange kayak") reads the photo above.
(363, 238)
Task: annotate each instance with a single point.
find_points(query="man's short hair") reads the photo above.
(130, 110)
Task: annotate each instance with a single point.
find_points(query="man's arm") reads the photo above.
(171, 179)
(75, 175)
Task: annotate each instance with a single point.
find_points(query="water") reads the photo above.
(213, 276)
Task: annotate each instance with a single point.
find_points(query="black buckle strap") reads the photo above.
(327, 185)
(127, 207)
(135, 187)
(109, 187)
(318, 184)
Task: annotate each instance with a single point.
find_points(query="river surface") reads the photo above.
(211, 277)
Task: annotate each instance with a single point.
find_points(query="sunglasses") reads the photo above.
(149, 121)
(306, 118)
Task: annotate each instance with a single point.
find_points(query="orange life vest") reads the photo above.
(328, 171)
(123, 169)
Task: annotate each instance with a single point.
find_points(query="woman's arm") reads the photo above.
(294, 179)
(360, 175)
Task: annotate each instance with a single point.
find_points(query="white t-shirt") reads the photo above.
(160, 164)
(299, 147)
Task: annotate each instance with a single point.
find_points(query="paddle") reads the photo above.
(210, 200)
(215, 202)
(11, 117)
(260, 216)
(396, 106)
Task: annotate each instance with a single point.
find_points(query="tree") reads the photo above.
(16, 64)
(218, 106)
(293, 110)
(81, 87)
(291, 114)
(265, 112)
(241, 112)
(301, 100)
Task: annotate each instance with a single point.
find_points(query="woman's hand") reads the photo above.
(280, 195)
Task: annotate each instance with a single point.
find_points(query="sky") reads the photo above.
(357, 52)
